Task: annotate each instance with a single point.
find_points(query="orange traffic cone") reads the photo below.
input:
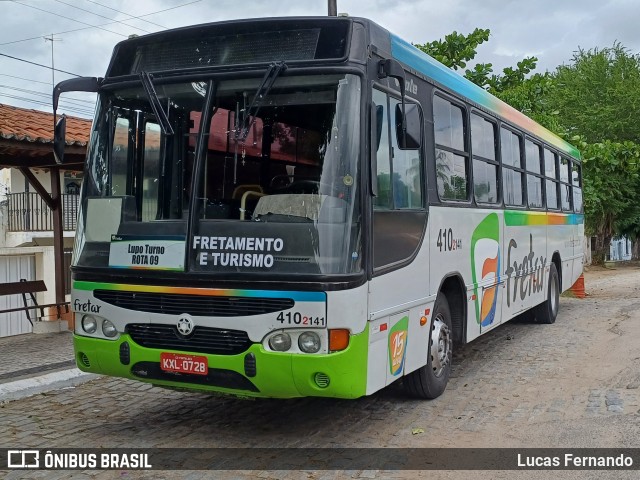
(577, 288)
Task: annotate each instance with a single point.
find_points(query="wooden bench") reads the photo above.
(29, 287)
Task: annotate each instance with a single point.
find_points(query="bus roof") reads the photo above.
(416, 59)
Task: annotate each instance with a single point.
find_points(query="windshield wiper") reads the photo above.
(251, 112)
(163, 119)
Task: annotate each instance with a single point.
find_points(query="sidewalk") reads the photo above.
(37, 363)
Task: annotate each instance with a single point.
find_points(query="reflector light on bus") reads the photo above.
(338, 340)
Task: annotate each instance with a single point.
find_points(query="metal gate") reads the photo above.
(12, 269)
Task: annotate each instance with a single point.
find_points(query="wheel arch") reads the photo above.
(452, 287)
(557, 261)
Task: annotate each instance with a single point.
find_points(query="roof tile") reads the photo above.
(26, 125)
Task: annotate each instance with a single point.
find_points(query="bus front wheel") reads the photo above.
(430, 380)
(547, 311)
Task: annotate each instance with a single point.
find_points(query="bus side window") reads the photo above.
(534, 177)
(565, 185)
(512, 171)
(576, 180)
(550, 172)
(151, 172)
(383, 173)
(407, 171)
(485, 163)
(399, 204)
(120, 156)
(452, 156)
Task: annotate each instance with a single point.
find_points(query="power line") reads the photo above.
(23, 78)
(44, 83)
(48, 95)
(101, 16)
(102, 24)
(125, 13)
(38, 64)
(38, 102)
(68, 18)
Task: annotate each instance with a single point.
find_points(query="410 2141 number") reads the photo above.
(296, 319)
(446, 242)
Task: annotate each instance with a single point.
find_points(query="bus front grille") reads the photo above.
(195, 305)
(215, 341)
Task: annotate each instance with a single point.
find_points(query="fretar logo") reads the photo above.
(529, 272)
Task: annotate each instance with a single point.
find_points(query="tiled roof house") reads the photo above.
(28, 172)
(26, 137)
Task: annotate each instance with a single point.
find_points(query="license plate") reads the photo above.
(175, 362)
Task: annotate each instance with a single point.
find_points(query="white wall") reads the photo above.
(620, 249)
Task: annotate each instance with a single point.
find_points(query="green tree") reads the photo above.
(456, 49)
(611, 191)
(597, 95)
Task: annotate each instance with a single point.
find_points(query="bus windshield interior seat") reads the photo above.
(300, 207)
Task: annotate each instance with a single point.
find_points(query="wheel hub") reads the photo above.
(440, 345)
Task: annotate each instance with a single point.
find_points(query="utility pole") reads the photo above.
(52, 39)
(333, 8)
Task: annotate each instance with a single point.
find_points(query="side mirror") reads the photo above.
(80, 84)
(409, 138)
(59, 135)
(392, 68)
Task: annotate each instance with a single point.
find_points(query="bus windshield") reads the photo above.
(279, 197)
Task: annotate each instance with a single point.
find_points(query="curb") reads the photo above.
(44, 383)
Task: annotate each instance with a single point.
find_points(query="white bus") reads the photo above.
(308, 207)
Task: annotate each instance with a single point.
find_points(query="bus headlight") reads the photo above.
(309, 342)
(280, 342)
(108, 328)
(89, 323)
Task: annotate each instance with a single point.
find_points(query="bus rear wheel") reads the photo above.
(431, 380)
(547, 311)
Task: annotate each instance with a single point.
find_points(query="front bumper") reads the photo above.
(255, 372)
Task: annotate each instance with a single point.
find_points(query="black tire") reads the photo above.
(547, 311)
(431, 380)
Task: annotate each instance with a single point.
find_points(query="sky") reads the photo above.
(551, 30)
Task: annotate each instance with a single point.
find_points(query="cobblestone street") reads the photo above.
(575, 383)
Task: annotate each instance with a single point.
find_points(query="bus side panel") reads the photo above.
(348, 309)
(561, 241)
(397, 300)
(487, 265)
(526, 261)
(578, 251)
(467, 242)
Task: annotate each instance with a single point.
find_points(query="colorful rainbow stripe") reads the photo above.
(211, 292)
(423, 63)
(525, 219)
